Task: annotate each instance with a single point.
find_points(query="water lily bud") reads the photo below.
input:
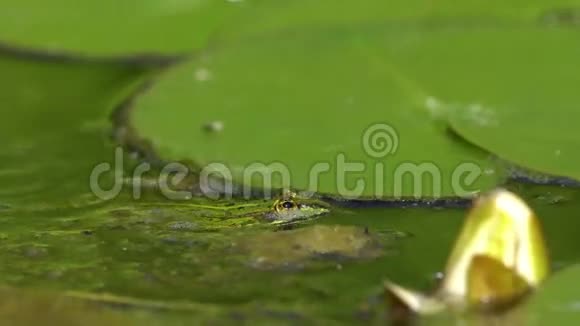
(501, 237)
(499, 256)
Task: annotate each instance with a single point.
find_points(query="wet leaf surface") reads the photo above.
(314, 129)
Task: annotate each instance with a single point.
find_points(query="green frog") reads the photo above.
(287, 209)
(290, 209)
(198, 214)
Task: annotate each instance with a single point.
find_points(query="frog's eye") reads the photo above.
(288, 204)
(285, 205)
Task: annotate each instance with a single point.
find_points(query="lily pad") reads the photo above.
(557, 300)
(263, 16)
(112, 27)
(172, 27)
(311, 101)
(527, 107)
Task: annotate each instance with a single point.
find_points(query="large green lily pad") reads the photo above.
(280, 103)
(111, 27)
(176, 26)
(306, 98)
(527, 108)
(264, 16)
(304, 94)
(556, 301)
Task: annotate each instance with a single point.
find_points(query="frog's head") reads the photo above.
(290, 209)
